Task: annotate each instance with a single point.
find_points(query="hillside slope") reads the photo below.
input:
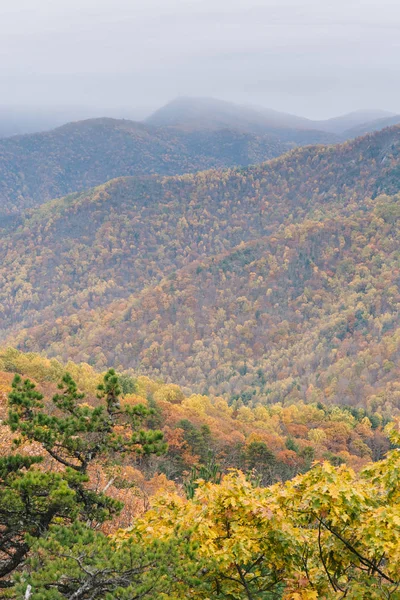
(38, 167)
(271, 280)
(196, 425)
(311, 313)
(183, 137)
(134, 231)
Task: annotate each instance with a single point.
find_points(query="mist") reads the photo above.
(125, 58)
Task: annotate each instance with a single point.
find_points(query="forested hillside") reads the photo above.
(199, 300)
(213, 410)
(38, 167)
(270, 283)
(115, 487)
(276, 441)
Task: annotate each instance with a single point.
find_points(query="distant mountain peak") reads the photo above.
(190, 113)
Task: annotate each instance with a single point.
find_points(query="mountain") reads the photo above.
(371, 126)
(19, 121)
(342, 124)
(336, 125)
(36, 168)
(22, 120)
(210, 113)
(191, 114)
(269, 283)
(186, 136)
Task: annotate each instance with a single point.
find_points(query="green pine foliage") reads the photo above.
(79, 563)
(73, 434)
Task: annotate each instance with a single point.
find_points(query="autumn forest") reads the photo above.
(199, 359)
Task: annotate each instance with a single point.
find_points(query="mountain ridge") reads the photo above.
(36, 168)
(77, 156)
(192, 113)
(112, 276)
(372, 126)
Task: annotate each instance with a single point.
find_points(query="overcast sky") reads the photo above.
(317, 58)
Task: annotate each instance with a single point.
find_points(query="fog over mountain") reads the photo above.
(191, 114)
(210, 113)
(316, 58)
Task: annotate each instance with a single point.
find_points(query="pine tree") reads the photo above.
(79, 563)
(73, 434)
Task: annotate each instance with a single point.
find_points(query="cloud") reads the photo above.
(318, 57)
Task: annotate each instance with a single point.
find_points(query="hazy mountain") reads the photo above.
(38, 167)
(340, 125)
(372, 126)
(209, 113)
(284, 120)
(22, 120)
(190, 114)
(25, 120)
(248, 280)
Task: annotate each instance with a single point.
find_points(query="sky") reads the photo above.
(317, 58)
